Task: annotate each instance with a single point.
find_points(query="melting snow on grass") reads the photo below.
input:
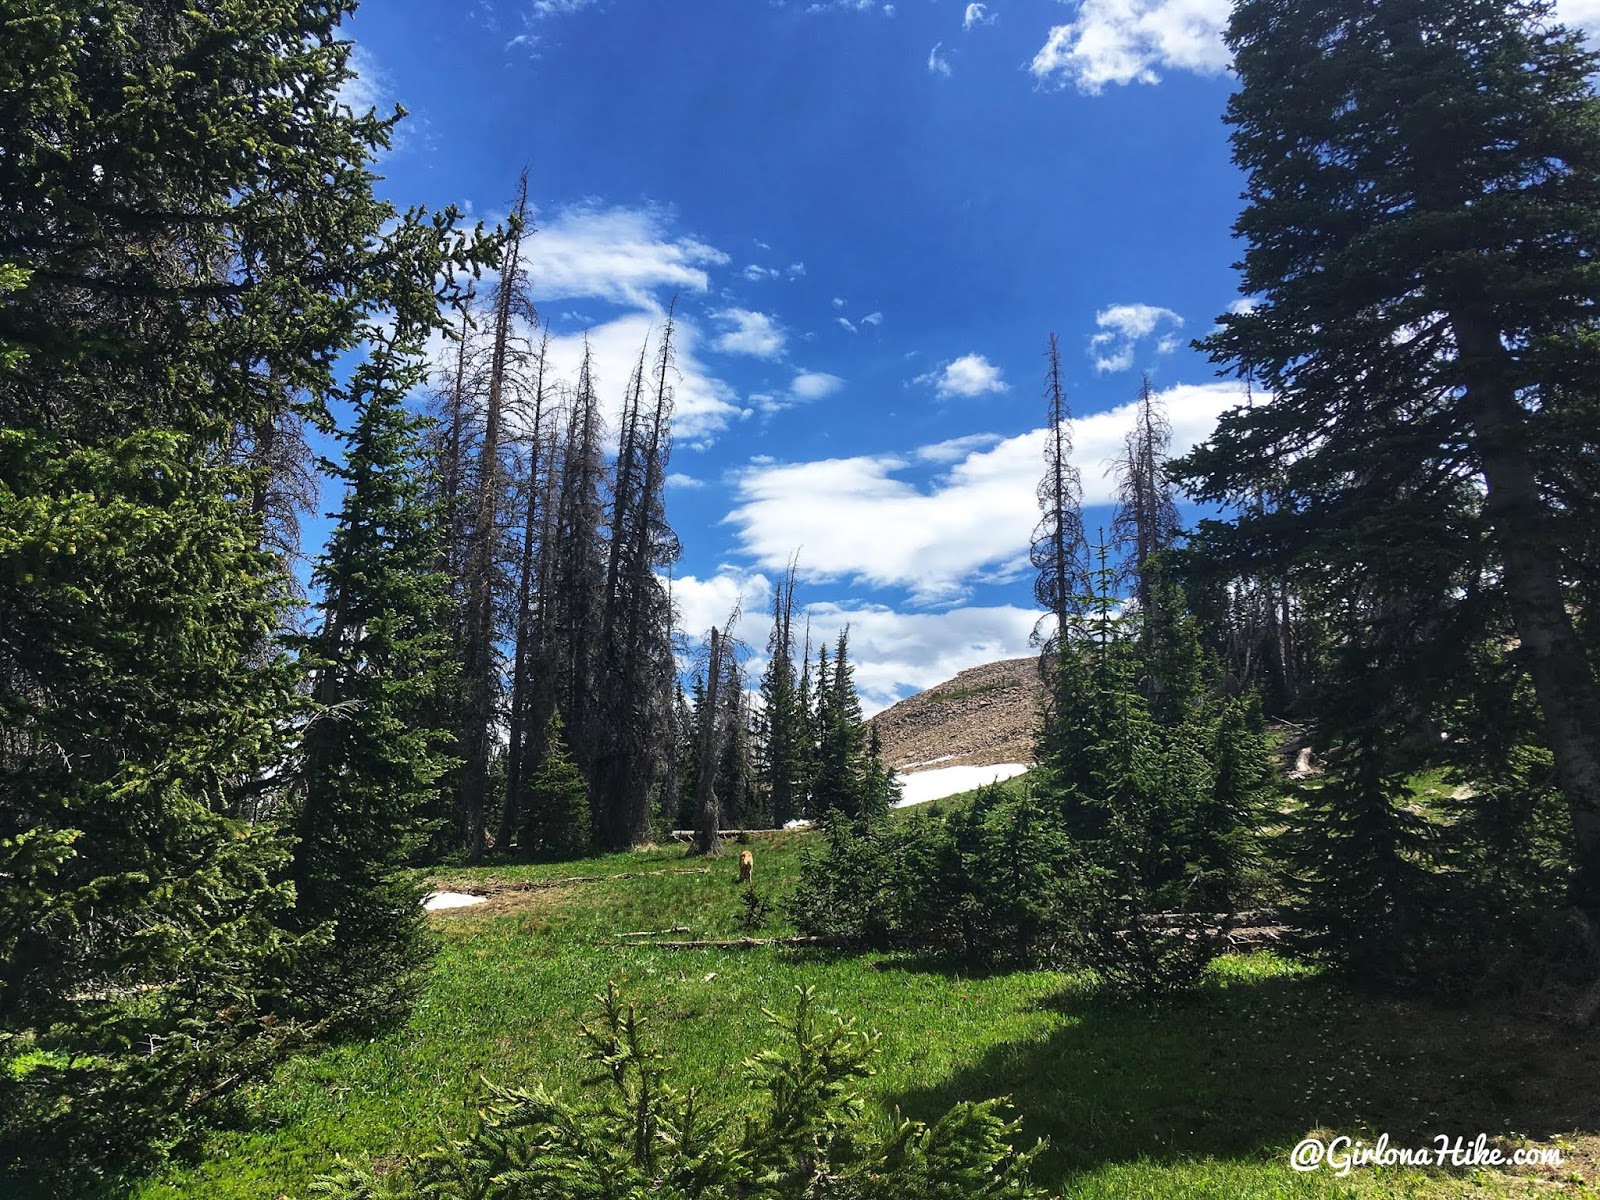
(434, 901)
(921, 786)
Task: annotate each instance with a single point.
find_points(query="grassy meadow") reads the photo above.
(1201, 1096)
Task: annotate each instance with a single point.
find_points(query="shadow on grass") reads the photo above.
(1254, 1060)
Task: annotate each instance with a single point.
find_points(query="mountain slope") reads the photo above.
(985, 715)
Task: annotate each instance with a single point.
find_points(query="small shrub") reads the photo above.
(756, 910)
(809, 1136)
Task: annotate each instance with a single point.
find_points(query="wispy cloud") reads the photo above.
(624, 255)
(749, 332)
(861, 519)
(978, 14)
(805, 387)
(1123, 326)
(938, 61)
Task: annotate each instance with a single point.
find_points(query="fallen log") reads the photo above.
(688, 835)
(495, 887)
(654, 932)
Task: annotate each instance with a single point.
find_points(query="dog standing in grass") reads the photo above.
(747, 866)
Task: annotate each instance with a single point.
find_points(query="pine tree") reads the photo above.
(373, 754)
(1421, 230)
(480, 669)
(191, 216)
(556, 814)
(785, 737)
(637, 663)
(1059, 550)
(716, 714)
(523, 746)
(1146, 521)
(840, 779)
(576, 576)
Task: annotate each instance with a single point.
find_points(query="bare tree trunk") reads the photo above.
(706, 839)
(1563, 678)
(522, 660)
(478, 657)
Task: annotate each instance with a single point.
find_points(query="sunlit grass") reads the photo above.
(1198, 1096)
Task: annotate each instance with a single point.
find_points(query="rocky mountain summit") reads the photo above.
(983, 716)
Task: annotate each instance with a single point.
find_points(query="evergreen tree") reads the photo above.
(373, 752)
(557, 816)
(637, 662)
(190, 236)
(847, 774)
(841, 737)
(1146, 521)
(1421, 232)
(480, 669)
(524, 747)
(717, 713)
(1059, 551)
(785, 737)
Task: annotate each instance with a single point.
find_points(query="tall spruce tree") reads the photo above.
(784, 732)
(373, 751)
(189, 236)
(842, 767)
(1422, 229)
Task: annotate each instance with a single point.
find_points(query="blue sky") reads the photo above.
(873, 215)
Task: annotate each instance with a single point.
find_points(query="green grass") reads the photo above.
(954, 694)
(1198, 1097)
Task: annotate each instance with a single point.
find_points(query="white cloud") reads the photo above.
(677, 479)
(702, 603)
(755, 274)
(624, 255)
(1125, 41)
(1122, 326)
(804, 388)
(978, 14)
(969, 375)
(938, 63)
(796, 269)
(874, 318)
(814, 385)
(703, 404)
(845, 321)
(747, 332)
(543, 9)
(630, 258)
(838, 302)
(859, 519)
(1580, 14)
(368, 86)
(955, 449)
(894, 653)
(897, 653)
(1248, 304)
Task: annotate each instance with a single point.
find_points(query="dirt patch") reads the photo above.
(521, 901)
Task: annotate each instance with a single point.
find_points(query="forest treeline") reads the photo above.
(218, 754)
(216, 759)
(1401, 568)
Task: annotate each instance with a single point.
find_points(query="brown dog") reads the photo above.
(747, 866)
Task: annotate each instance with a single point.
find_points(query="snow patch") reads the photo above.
(434, 901)
(919, 787)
